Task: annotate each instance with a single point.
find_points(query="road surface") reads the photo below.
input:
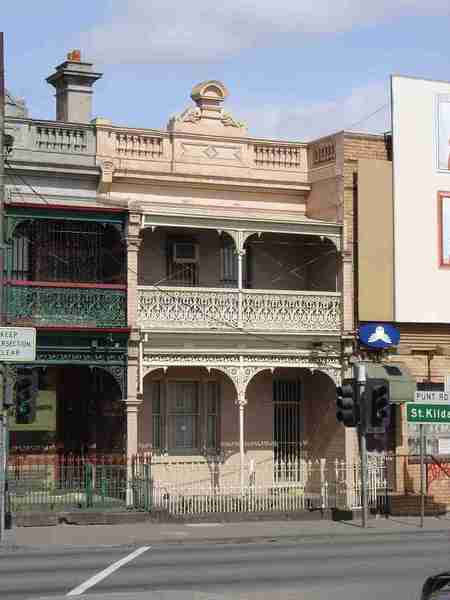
(339, 567)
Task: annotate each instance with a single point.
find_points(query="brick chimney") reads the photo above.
(73, 80)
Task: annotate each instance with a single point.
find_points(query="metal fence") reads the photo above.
(73, 483)
(199, 485)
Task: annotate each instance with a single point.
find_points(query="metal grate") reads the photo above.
(72, 251)
(287, 433)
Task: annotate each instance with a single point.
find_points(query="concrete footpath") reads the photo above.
(172, 533)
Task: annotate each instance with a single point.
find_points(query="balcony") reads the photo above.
(288, 283)
(259, 310)
(65, 273)
(51, 304)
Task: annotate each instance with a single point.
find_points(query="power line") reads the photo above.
(156, 285)
(369, 116)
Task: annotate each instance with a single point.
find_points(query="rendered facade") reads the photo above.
(193, 288)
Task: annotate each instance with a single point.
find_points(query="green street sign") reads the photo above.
(427, 413)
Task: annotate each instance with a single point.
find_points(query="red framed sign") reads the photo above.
(444, 229)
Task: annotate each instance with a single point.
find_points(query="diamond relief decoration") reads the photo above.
(211, 152)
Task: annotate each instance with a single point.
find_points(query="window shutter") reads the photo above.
(228, 264)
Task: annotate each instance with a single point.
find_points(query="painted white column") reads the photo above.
(241, 375)
(240, 257)
(132, 408)
(241, 402)
(140, 382)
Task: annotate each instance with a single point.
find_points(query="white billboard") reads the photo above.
(421, 172)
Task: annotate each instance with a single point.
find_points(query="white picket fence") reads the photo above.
(199, 487)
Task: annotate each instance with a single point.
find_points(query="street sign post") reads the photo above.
(425, 396)
(431, 412)
(17, 345)
(423, 413)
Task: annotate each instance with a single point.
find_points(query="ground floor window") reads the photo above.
(185, 416)
(74, 410)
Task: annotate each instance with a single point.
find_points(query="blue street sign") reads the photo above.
(379, 335)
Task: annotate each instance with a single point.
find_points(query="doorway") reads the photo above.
(287, 430)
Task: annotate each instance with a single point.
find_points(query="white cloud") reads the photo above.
(304, 122)
(150, 31)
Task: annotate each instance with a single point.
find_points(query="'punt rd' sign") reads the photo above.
(17, 344)
(427, 413)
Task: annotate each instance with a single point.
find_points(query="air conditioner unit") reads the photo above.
(185, 252)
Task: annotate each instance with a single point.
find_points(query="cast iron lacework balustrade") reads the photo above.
(193, 307)
(41, 305)
(297, 310)
(265, 310)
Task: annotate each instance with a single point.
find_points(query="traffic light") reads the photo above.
(377, 405)
(347, 408)
(27, 387)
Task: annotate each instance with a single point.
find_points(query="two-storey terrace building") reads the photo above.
(235, 291)
(192, 287)
(65, 275)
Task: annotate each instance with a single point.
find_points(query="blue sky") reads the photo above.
(295, 69)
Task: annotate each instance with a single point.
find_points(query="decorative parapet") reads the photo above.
(279, 156)
(208, 116)
(138, 145)
(51, 138)
(323, 152)
(64, 143)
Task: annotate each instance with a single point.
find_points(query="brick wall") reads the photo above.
(358, 146)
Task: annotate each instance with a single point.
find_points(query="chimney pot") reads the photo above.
(74, 56)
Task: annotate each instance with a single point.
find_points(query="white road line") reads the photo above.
(204, 524)
(103, 574)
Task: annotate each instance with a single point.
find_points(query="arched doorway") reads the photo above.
(293, 408)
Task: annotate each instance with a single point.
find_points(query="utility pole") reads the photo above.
(3, 415)
(2, 170)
